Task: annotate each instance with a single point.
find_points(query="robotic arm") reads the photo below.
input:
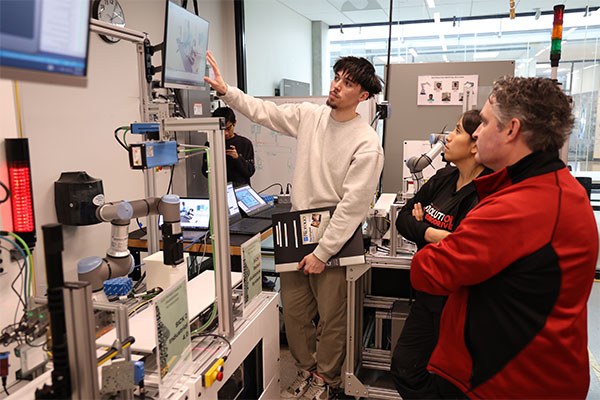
(118, 260)
(417, 164)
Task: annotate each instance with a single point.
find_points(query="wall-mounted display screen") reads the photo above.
(185, 45)
(44, 40)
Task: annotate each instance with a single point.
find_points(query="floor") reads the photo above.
(288, 370)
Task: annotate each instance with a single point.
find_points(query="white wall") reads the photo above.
(8, 300)
(71, 129)
(278, 45)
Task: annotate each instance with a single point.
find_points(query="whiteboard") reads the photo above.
(274, 153)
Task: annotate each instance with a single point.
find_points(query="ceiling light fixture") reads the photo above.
(436, 17)
(430, 3)
(413, 52)
(486, 54)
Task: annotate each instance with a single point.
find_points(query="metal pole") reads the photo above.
(393, 230)
(219, 214)
(81, 338)
(149, 174)
(144, 87)
(219, 210)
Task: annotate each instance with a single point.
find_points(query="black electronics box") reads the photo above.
(76, 198)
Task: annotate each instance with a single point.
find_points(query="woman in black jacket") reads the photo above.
(434, 212)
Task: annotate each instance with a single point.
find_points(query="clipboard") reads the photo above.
(297, 234)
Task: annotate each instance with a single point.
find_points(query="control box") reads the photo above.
(152, 154)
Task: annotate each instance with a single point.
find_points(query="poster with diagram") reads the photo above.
(446, 90)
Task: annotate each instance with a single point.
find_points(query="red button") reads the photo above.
(220, 376)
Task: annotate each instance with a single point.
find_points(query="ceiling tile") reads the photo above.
(366, 16)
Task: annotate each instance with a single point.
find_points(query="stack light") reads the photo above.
(512, 9)
(557, 28)
(19, 175)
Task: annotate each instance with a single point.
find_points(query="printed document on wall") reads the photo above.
(446, 90)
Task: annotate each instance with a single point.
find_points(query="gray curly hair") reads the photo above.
(539, 104)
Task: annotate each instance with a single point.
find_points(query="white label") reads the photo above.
(197, 108)
(136, 156)
(98, 200)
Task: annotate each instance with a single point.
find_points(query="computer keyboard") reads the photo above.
(250, 226)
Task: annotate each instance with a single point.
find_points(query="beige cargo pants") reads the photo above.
(321, 349)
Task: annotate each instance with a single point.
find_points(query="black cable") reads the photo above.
(218, 337)
(389, 51)
(376, 118)
(270, 186)
(7, 193)
(287, 188)
(179, 101)
(139, 282)
(4, 385)
(119, 140)
(21, 268)
(171, 179)
(140, 225)
(35, 345)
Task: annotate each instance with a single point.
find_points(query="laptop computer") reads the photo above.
(254, 206)
(194, 216)
(239, 225)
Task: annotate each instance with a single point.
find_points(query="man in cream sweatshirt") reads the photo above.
(338, 163)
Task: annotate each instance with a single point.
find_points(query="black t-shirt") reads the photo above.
(443, 206)
(241, 169)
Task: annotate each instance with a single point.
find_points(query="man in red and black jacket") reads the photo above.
(519, 269)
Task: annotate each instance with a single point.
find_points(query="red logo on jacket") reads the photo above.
(438, 218)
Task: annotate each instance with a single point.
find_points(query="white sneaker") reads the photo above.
(317, 390)
(298, 387)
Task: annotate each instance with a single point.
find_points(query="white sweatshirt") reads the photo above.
(337, 163)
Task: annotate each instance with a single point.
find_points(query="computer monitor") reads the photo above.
(185, 45)
(45, 42)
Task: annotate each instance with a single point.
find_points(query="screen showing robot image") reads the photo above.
(194, 213)
(184, 54)
(248, 199)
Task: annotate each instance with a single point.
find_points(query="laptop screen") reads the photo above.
(232, 201)
(249, 200)
(193, 213)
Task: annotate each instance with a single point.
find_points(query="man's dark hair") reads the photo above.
(226, 113)
(361, 71)
(539, 104)
(470, 121)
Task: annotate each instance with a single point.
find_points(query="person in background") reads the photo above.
(338, 163)
(435, 211)
(519, 269)
(239, 151)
